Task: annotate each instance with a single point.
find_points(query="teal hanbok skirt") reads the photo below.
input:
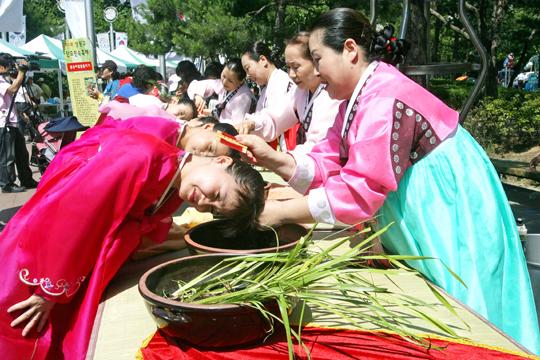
(451, 206)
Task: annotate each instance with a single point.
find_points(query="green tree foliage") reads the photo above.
(43, 17)
(508, 123)
(210, 29)
(521, 32)
(155, 36)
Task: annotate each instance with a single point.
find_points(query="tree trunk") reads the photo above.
(279, 30)
(455, 48)
(435, 57)
(416, 35)
(491, 41)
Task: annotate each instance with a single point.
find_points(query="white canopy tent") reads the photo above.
(45, 45)
(8, 48)
(124, 52)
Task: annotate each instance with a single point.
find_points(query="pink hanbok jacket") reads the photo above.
(69, 240)
(393, 128)
(272, 122)
(236, 108)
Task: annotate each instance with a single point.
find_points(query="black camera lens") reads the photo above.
(23, 67)
(12, 71)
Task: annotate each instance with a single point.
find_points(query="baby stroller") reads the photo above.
(49, 137)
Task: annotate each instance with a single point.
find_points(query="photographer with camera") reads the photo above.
(13, 151)
(26, 103)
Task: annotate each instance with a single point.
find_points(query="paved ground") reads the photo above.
(10, 203)
(525, 204)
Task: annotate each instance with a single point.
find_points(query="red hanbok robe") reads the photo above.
(68, 241)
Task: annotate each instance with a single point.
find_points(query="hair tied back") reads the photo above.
(387, 47)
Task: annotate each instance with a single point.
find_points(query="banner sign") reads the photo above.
(11, 15)
(76, 17)
(81, 76)
(18, 38)
(103, 41)
(121, 39)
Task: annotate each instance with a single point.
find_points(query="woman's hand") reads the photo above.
(260, 150)
(281, 163)
(199, 103)
(245, 127)
(93, 92)
(35, 313)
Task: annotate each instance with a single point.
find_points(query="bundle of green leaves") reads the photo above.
(319, 278)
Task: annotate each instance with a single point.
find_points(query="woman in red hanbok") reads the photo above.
(65, 244)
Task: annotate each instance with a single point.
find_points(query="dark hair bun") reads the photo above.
(386, 47)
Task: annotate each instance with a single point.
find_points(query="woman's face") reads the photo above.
(106, 74)
(208, 187)
(229, 79)
(204, 142)
(256, 70)
(334, 68)
(181, 111)
(301, 70)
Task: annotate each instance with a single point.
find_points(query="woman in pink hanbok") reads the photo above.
(65, 244)
(398, 152)
(235, 100)
(195, 136)
(309, 104)
(275, 84)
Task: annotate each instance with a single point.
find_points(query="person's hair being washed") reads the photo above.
(250, 197)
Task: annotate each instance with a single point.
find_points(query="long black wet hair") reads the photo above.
(251, 197)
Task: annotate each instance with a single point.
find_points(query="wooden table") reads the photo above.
(123, 322)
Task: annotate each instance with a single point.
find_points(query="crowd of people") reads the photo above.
(351, 134)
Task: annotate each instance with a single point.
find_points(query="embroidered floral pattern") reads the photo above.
(411, 139)
(60, 287)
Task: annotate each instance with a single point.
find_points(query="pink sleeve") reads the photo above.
(204, 88)
(314, 169)
(273, 121)
(357, 190)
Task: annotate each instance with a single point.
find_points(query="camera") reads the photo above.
(33, 64)
(11, 64)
